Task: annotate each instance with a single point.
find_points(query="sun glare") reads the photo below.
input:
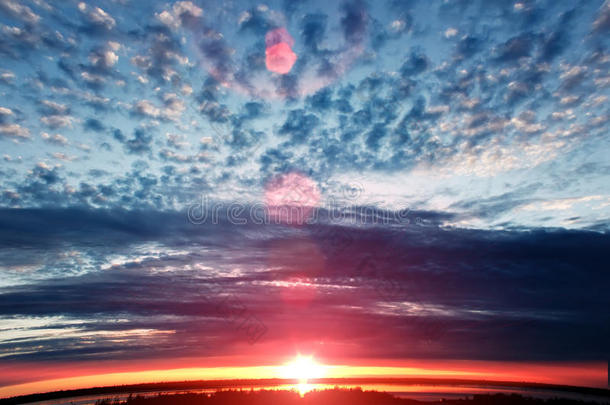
(303, 368)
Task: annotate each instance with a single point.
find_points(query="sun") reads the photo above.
(303, 368)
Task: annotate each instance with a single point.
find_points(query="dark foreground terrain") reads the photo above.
(228, 392)
(327, 397)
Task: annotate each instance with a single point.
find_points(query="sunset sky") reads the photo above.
(206, 189)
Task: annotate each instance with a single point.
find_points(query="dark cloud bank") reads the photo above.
(402, 289)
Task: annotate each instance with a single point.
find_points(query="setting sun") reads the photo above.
(319, 202)
(303, 368)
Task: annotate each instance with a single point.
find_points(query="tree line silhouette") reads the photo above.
(336, 396)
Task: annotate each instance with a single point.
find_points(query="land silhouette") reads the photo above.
(254, 392)
(336, 396)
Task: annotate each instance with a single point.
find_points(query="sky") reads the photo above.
(393, 186)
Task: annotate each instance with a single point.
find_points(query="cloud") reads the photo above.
(55, 115)
(105, 58)
(374, 136)
(218, 52)
(171, 156)
(20, 11)
(521, 92)
(602, 22)
(449, 280)
(55, 139)
(468, 46)
(63, 157)
(177, 141)
(172, 108)
(182, 13)
(450, 32)
(46, 173)
(146, 109)
(51, 107)
(5, 113)
(7, 77)
(57, 121)
(299, 125)
(313, 30)
(164, 55)
(99, 20)
(98, 103)
(573, 76)
(562, 204)
(255, 20)
(95, 125)
(321, 100)
(415, 64)
(353, 21)
(557, 41)
(93, 80)
(140, 143)
(14, 131)
(515, 48)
